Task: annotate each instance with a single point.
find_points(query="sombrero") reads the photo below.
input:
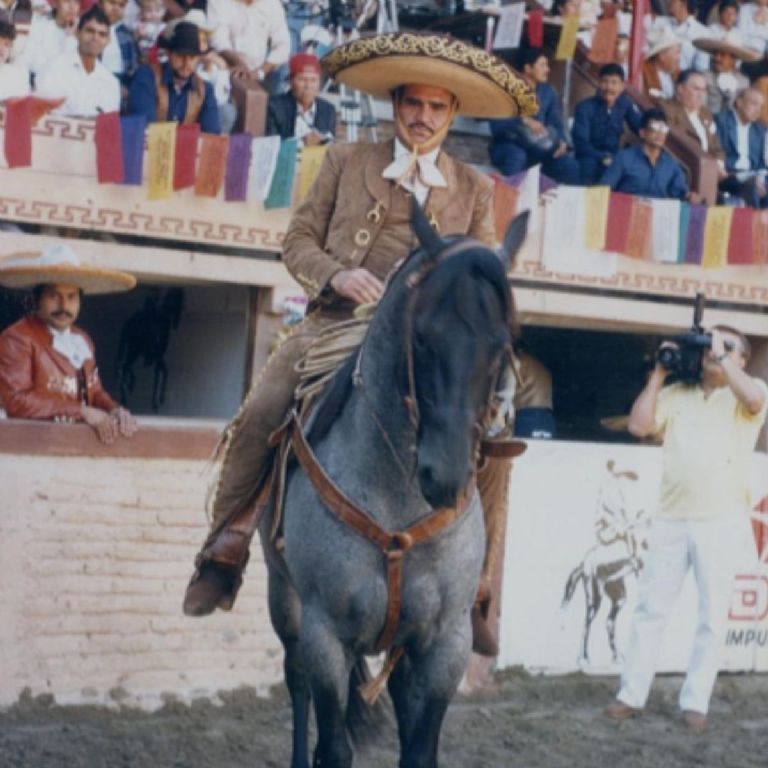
(484, 85)
(59, 264)
(710, 45)
(662, 40)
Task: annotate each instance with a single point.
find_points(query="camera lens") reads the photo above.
(668, 358)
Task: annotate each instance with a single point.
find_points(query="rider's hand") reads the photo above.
(357, 284)
(106, 427)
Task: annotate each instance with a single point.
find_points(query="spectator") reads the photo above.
(709, 427)
(520, 142)
(173, 90)
(14, 80)
(687, 113)
(688, 29)
(726, 28)
(599, 121)
(148, 27)
(50, 36)
(753, 24)
(744, 140)
(647, 169)
(662, 64)
(86, 85)
(724, 80)
(534, 415)
(47, 365)
(121, 56)
(300, 112)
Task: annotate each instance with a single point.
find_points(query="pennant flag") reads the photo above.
(619, 214)
(212, 166)
(694, 244)
(264, 152)
(740, 242)
(238, 162)
(665, 231)
(528, 200)
(603, 50)
(132, 138)
(760, 236)
(717, 231)
(536, 27)
(161, 153)
(505, 199)
(109, 154)
(311, 160)
(566, 45)
(41, 107)
(597, 203)
(639, 235)
(509, 29)
(18, 133)
(281, 191)
(186, 156)
(682, 236)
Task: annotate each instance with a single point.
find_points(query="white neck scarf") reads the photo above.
(72, 345)
(425, 174)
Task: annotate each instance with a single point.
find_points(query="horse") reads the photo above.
(395, 434)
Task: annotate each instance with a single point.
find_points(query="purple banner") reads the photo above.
(238, 163)
(132, 136)
(694, 242)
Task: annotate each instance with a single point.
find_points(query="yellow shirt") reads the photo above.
(708, 445)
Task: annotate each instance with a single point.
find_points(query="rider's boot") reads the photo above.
(493, 486)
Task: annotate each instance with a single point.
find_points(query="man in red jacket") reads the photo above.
(47, 365)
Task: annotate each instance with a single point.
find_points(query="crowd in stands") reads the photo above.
(705, 75)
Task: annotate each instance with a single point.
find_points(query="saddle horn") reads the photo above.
(430, 241)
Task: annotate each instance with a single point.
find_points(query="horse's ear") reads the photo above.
(430, 241)
(514, 237)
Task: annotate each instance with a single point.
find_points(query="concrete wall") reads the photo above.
(95, 553)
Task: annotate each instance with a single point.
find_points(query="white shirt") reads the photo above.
(690, 57)
(304, 122)
(732, 35)
(701, 131)
(420, 183)
(257, 31)
(14, 82)
(46, 41)
(755, 33)
(112, 57)
(87, 93)
(742, 145)
(667, 83)
(73, 346)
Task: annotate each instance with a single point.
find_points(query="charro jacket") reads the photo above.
(37, 382)
(677, 118)
(352, 217)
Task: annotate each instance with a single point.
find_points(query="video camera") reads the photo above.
(683, 361)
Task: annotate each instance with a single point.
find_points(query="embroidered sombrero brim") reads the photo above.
(15, 273)
(710, 45)
(484, 86)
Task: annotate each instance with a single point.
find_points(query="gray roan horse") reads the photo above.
(397, 432)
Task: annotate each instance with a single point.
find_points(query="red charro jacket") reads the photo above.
(37, 382)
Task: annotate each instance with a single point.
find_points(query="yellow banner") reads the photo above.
(311, 160)
(717, 232)
(566, 46)
(161, 146)
(598, 199)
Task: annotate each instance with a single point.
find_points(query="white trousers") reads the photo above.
(707, 547)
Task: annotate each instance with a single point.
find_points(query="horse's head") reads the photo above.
(458, 336)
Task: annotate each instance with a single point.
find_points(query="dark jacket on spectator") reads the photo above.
(597, 130)
(726, 129)
(549, 114)
(194, 103)
(281, 116)
(129, 52)
(631, 172)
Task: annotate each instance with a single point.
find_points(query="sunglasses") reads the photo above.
(657, 126)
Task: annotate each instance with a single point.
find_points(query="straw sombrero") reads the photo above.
(662, 40)
(710, 45)
(59, 264)
(484, 85)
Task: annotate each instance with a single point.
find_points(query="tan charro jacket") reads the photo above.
(352, 217)
(37, 382)
(677, 118)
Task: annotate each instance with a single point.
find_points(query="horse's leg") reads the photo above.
(592, 593)
(328, 667)
(617, 593)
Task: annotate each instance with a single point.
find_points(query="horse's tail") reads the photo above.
(364, 720)
(577, 574)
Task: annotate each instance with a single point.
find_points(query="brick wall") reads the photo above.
(95, 553)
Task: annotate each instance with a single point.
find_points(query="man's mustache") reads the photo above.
(63, 313)
(420, 125)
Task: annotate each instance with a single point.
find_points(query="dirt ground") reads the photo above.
(527, 722)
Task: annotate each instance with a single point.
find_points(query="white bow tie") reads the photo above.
(404, 170)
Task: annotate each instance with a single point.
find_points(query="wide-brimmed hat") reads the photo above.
(484, 85)
(662, 40)
(59, 264)
(184, 38)
(710, 45)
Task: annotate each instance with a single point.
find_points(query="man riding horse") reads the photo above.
(352, 228)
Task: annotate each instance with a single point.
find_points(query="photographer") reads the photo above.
(709, 428)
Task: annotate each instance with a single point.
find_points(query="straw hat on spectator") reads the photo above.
(661, 41)
(484, 85)
(59, 264)
(711, 45)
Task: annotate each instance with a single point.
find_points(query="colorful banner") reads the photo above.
(619, 214)
(740, 243)
(18, 133)
(212, 166)
(186, 156)
(603, 50)
(161, 153)
(281, 192)
(505, 199)
(717, 231)
(264, 152)
(310, 162)
(509, 28)
(694, 244)
(640, 230)
(132, 138)
(536, 27)
(597, 204)
(682, 237)
(109, 153)
(238, 163)
(760, 236)
(665, 243)
(566, 45)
